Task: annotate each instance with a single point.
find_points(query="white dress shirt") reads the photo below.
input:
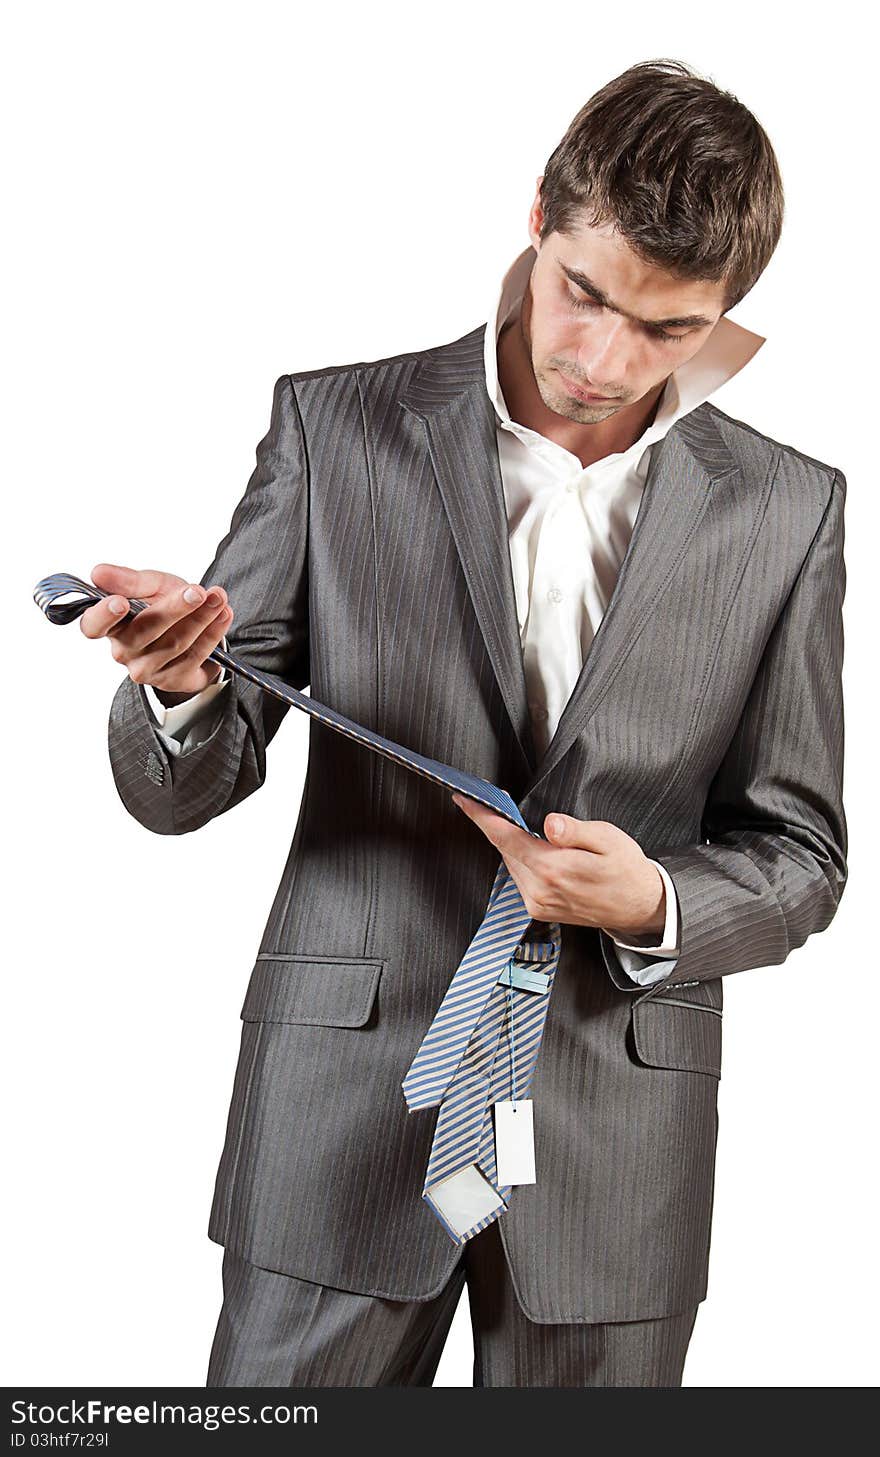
(569, 528)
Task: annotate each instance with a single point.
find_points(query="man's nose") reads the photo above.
(603, 356)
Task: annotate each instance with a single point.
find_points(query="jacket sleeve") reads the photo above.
(772, 867)
(262, 562)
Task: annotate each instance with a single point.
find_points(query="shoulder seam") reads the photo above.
(823, 466)
(359, 366)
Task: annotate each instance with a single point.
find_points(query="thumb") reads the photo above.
(557, 827)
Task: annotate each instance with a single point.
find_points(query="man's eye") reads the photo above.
(583, 303)
(662, 334)
(667, 338)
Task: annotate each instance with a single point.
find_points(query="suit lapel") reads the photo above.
(686, 465)
(449, 395)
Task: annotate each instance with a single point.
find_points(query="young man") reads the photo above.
(541, 554)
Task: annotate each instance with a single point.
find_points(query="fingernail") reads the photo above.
(213, 597)
(116, 604)
(191, 594)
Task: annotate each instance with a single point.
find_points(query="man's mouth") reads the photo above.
(580, 393)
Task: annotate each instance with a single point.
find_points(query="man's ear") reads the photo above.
(536, 212)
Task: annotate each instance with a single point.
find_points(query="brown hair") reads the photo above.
(682, 170)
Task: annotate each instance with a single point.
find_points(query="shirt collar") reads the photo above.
(722, 355)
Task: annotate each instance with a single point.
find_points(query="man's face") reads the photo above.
(617, 349)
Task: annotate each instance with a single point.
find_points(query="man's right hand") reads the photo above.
(167, 643)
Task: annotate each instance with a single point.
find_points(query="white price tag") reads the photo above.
(515, 1142)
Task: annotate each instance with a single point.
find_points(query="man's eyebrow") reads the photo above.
(681, 322)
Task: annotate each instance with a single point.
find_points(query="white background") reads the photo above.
(200, 197)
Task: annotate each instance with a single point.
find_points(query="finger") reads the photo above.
(156, 654)
(127, 581)
(100, 619)
(208, 639)
(170, 623)
(508, 838)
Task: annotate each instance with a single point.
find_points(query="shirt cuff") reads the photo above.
(641, 970)
(204, 728)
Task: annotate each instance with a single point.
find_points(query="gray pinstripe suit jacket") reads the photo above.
(368, 560)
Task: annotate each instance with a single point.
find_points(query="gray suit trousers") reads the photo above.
(278, 1330)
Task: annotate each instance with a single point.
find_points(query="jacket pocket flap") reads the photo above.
(685, 1036)
(315, 991)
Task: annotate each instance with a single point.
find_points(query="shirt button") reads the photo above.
(554, 595)
(538, 710)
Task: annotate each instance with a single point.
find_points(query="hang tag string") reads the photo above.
(511, 1038)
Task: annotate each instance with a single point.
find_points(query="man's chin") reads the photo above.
(583, 414)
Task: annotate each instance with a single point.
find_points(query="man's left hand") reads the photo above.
(586, 873)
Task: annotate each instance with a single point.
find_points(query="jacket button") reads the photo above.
(153, 767)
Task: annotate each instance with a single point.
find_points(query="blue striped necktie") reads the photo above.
(483, 1044)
